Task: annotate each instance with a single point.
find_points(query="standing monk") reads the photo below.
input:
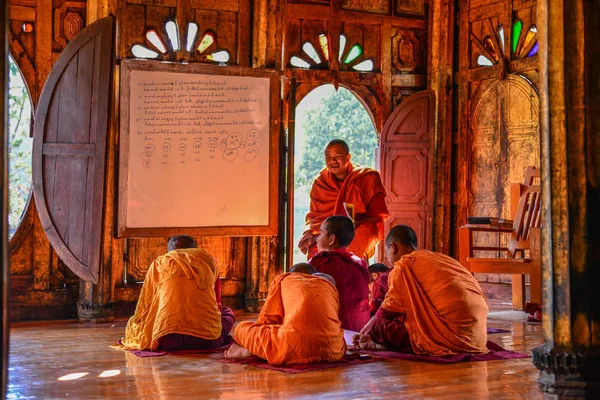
(434, 305)
(180, 303)
(343, 188)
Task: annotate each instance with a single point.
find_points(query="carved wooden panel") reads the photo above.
(69, 20)
(372, 6)
(411, 7)
(406, 51)
(406, 164)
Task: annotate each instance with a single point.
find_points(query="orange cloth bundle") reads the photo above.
(446, 311)
(178, 296)
(298, 323)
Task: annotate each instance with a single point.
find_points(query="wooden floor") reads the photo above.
(41, 354)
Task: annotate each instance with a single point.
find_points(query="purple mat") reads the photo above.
(496, 353)
(497, 330)
(351, 359)
(158, 353)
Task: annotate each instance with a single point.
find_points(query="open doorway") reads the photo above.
(326, 114)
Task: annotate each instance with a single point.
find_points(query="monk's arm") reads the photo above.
(308, 239)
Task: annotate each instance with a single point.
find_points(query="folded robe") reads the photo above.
(352, 282)
(445, 309)
(298, 323)
(178, 296)
(362, 188)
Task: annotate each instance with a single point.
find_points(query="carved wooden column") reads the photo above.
(569, 361)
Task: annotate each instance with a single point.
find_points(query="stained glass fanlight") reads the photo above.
(324, 42)
(153, 38)
(207, 40)
(298, 62)
(310, 51)
(343, 41)
(353, 54)
(175, 40)
(192, 31)
(522, 44)
(364, 66)
(173, 34)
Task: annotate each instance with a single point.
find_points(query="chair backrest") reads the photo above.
(528, 212)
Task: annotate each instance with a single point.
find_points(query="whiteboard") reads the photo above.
(197, 150)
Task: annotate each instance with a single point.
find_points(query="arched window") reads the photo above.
(19, 146)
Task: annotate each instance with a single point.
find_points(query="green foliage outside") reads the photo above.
(20, 144)
(339, 115)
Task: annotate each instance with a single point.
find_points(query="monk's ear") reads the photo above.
(394, 247)
(332, 240)
(374, 275)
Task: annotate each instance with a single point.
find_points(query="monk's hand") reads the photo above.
(307, 240)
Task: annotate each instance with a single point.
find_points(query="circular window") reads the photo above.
(19, 146)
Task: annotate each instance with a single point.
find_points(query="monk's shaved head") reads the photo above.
(325, 276)
(342, 227)
(303, 268)
(378, 268)
(182, 242)
(338, 142)
(402, 235)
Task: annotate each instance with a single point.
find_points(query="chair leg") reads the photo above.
(518, 292)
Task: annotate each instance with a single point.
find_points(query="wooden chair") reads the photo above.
(524, 235)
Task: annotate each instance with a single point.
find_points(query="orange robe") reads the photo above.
(364, 190)
(443, 306)
(298, 323)
(178, 296)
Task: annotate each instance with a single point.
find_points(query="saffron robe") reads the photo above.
(440, 303)
(352, 282)
(178, 296)
(298, 323)
(378, 291)
(362, 188)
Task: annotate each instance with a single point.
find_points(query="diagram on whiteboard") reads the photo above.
(204, 137)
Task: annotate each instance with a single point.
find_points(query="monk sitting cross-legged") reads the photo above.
(434, 306)
(179, 306)
(298, 324)
(379, 273)
(349, 271)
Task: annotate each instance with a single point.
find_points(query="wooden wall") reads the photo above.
(261, 34)
(496, 135)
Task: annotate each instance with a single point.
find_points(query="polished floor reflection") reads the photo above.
(70, 360)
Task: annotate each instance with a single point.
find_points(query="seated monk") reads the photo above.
(434, 306)
(180, 303)
(379, 275)
(298, 324)
(343, 188)
(349, 271)
(303, 268)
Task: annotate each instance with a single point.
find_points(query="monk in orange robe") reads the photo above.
(179, 306)
(343, 188)
(350, 272)
(298, 324)
(434, 306)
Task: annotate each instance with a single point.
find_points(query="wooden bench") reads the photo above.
(524, 238)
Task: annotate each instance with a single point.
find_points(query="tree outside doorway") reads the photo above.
(326, 114)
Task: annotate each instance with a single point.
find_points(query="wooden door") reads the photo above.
(505, 141)
(69, 148)
(406, 165)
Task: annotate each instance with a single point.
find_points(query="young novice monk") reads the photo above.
(379, 273)
(350, 272)
(434, 305)
(297, 325)
(179, 306)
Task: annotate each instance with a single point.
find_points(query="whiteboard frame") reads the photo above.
(271, 229)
